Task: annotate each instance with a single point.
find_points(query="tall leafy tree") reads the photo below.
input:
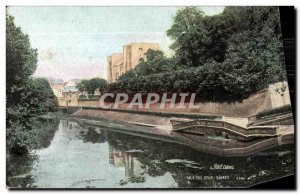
(96, 84)
(82, 86)
(155, 62)
(255, 49)
(91, 85)
(47, 100)
(26, 98)
(198, 38)
(187, 33)
(21, 61)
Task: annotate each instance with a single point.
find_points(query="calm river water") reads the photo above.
(89, 157)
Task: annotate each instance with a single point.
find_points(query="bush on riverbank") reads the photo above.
(21, 140)
(276, 111)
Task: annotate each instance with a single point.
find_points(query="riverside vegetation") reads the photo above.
(26, 98)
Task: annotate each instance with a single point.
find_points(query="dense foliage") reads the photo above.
(213, 82)
(91, 85)
(82, 86)
(127, 75)
(155, 62)
(38, 135)
(224, 58)
(198, 38)
(276, 111)
(25, 97)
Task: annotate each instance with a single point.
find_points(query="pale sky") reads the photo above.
(73, 42)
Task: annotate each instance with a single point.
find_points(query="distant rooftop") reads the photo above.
(77, 81)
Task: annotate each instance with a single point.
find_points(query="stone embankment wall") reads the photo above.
(201, 143)
(275, 96)
(128, 117)
(252, 105)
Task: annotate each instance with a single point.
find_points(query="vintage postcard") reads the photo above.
(146, 97)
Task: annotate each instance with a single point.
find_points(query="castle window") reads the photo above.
(140, 52)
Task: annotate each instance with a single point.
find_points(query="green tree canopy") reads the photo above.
(26, 97)
(82, 86)
(21, 60)
(91, 85)
(47, 100)
(155, 62)
(197, 38)
(223, 58)
(127, 75)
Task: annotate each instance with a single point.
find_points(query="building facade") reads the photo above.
(119, 63)
(57, 86)
(114, 66)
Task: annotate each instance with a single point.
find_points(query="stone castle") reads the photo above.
(119, 63)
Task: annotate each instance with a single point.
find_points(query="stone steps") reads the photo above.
(210, 127)
(273, 120)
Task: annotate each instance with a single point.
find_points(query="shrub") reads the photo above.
(39, 133)
(280, 110)
(214, 82)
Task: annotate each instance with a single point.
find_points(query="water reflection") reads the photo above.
(19, 168)
(134, 170)
(19, 171)
(90, 157)
(191, 168)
